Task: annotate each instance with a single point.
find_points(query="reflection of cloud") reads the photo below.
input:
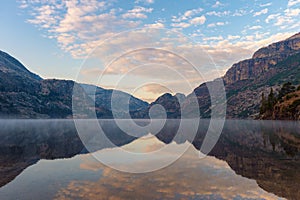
(89, 163)
(145, 144)
(189, 177)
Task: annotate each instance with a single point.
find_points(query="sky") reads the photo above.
(144, 47)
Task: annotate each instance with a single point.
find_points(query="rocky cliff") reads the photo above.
(245, 81)
(262, 60)
(24, 94)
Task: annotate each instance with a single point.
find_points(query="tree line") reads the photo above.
(268, 102)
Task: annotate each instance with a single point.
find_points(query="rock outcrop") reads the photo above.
(263, 60)
(245, 81)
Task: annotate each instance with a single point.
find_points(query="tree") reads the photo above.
(263, 105)
(286, 89)
(271, 101)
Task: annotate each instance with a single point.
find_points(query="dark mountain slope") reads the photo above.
(26, 95)
(103, 98)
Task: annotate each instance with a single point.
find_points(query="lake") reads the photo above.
(60, 159)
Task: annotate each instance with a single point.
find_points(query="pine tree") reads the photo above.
(286, 89)
(271, 101)
(263, 104)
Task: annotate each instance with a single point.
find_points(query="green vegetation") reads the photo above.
(289, 71)
(286, 89)
(267, 105)
(285, 93)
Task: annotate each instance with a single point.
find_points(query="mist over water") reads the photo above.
(261, 155)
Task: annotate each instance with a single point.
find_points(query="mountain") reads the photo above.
(245, 81)
(269, 67)
(263, 60)
(171, 104)
(18, 88)
(103, 98)
(24, 94)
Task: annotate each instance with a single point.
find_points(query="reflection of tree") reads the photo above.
(282, 137)
(270, 137)
(265, 151)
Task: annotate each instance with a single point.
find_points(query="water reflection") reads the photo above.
(266, 152)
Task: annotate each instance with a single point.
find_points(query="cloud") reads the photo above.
(217, 4)
(155, 89)
(292, 12)
(137, 12)
(81, 26)
(285, 20)
(45, 16)
(198, 20)
(233, 37)
(255, 27)
(218, 14)
(144, 1)
(186, 15)
(190, 13)
(235, 48)
(262, 12)
(155, 25)
(240, 13)
(216, 24)
(265, 5)
(271, 17)
(213, 38)
(293, 2)
(181, 25)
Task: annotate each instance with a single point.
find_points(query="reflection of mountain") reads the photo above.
(267, 152)
(23, 143)
(269, 155)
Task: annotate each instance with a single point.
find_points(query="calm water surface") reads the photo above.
(46, 159)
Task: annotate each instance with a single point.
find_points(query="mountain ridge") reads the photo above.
(24, 94)
(244, 82)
